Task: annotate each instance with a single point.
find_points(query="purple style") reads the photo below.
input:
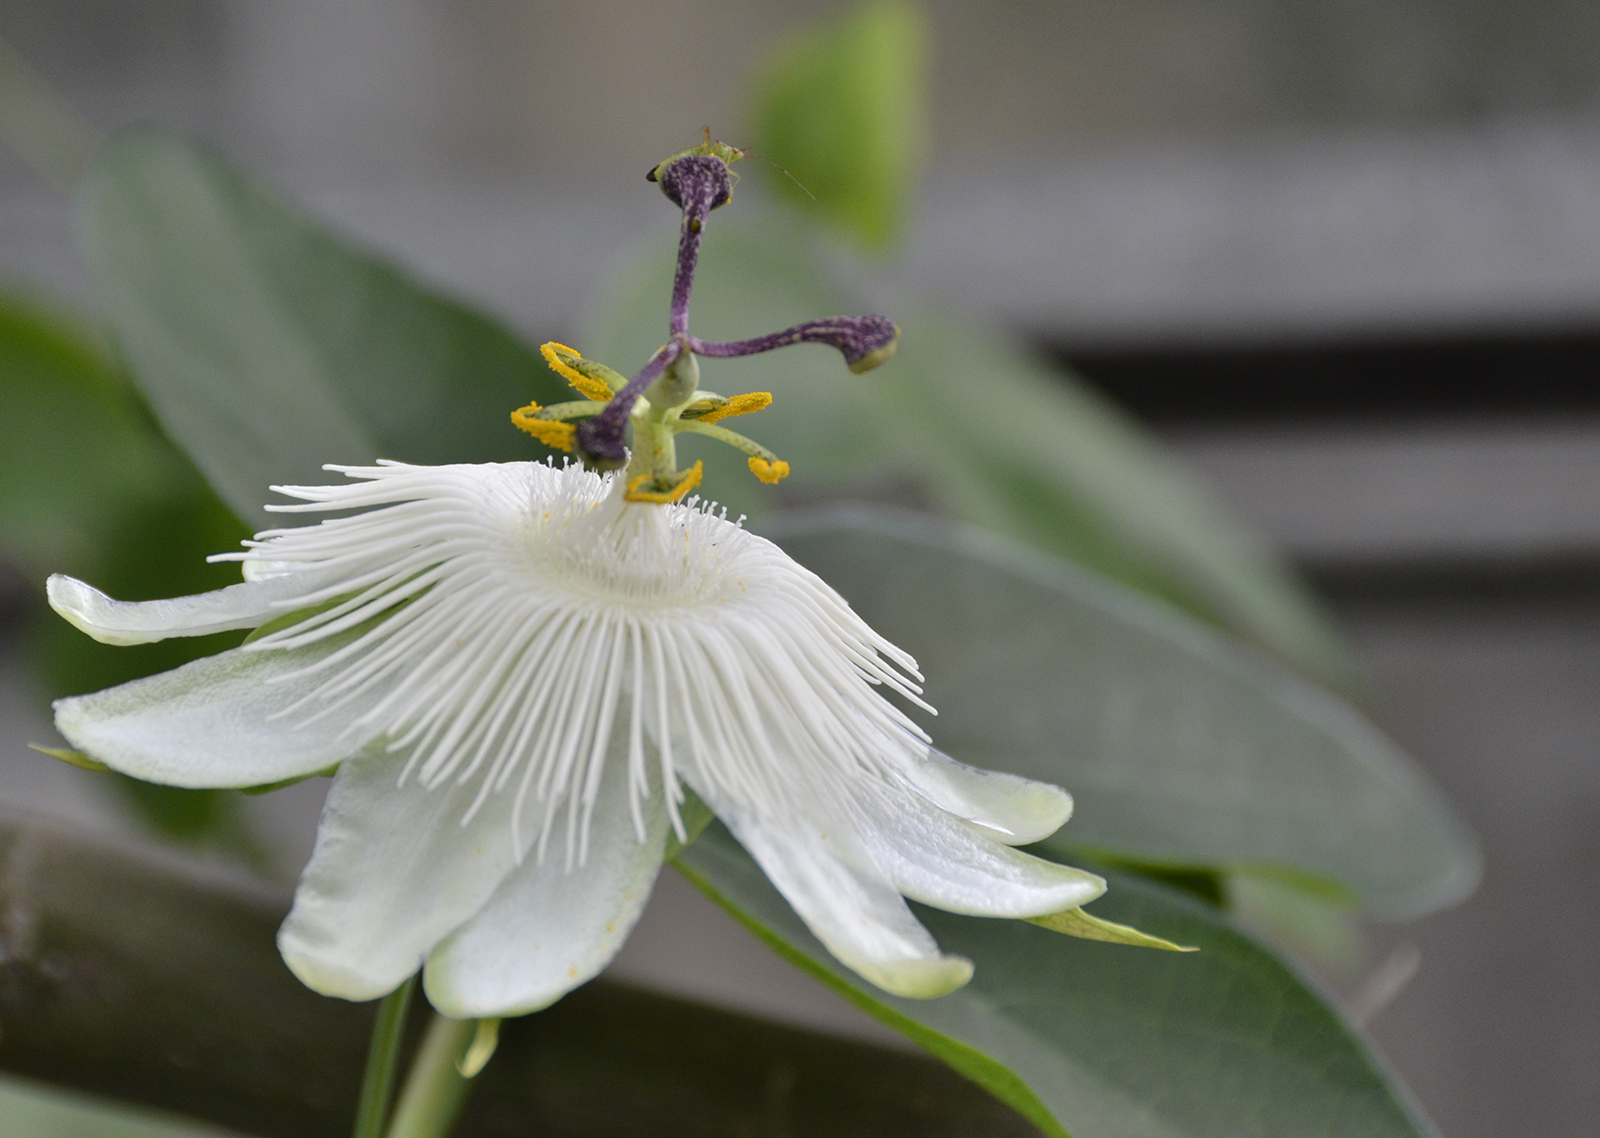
(698, 184)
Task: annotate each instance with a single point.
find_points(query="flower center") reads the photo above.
(663, 399)
(593, 542)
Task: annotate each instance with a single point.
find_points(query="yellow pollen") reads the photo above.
(687, 482)
(584, 385)
(739, 405)
(769, 472)
(547, 431)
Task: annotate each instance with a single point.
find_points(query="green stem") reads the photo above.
(435, 1090)
(381, 1055)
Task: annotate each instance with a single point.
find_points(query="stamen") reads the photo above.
(762, 462)
(769, 472)
(686, 481)
(559, 436)
(565, 362)
(738, 405)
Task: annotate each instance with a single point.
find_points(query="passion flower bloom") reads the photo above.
(516, 671)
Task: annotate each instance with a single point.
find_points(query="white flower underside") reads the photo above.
(517, 670)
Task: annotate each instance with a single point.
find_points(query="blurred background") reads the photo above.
(1343, 256)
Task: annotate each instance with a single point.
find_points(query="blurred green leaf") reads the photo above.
(960, 421)
(1315, 919)
(76, 449)
(1106, 1041)
(267, 346)
(1178, 746)
(89, 486)
(843, 109)
(1319, 926)
(32, 1110)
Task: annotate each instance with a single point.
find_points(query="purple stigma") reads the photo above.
(865, 341)
(696, 184)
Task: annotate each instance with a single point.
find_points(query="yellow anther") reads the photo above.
(547, 431)
(585, 385)
(738, 405)
(689, 480)
(769, 472)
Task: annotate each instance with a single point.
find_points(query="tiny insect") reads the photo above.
(728, 154)
(718, 149)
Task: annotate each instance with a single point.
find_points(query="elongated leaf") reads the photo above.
(89, 486)
(268, 347)
(1105, 1041)
(843, 108)
(962, 421)
(76, 450)
(31, 1111)
(1178, 746)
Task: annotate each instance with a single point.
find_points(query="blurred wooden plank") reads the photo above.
(124, 974)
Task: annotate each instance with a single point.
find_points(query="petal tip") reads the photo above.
(81, 606)
(924, 979)
(332, 980)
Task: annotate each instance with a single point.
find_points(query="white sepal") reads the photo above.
(1018, 811)
(144, 622)
(850, 906)
(394, 872)
(940, 860)
(226, 720)
(554, 924)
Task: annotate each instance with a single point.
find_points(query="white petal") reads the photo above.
(1019, 810)
(549, 928)
(846, 902)
(213, 722)
(940, 860)
(144, 622)
(393, 873)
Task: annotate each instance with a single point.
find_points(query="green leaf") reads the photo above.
(1030, 453)
(267, 347)
(1078, 923)
(1178, 746)
(965, 422)
(1099, 1040)
(1319, 926)
(76, 449)
(843, 108)
(32, 1110)
(696, 816)
(88, 486)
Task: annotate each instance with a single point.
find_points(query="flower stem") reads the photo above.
(435, 1090)
(381, 1056)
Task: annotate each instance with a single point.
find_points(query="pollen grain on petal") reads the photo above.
(769, 472)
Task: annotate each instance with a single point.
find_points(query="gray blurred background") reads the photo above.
(1344, 255)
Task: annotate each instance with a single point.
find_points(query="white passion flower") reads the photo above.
(516, 670)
